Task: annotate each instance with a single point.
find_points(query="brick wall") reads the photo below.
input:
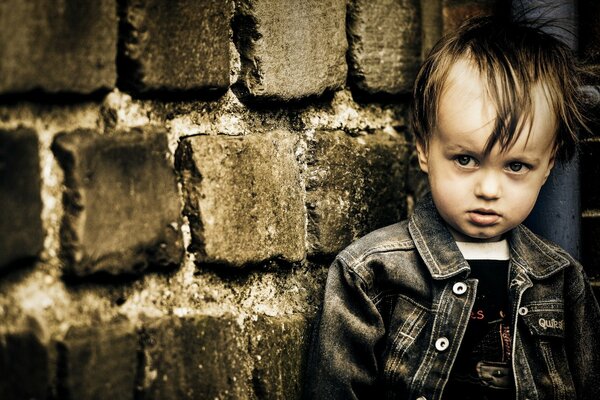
(175, 179)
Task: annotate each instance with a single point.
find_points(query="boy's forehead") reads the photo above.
(463, 105)
(466, 104)
(466, 109)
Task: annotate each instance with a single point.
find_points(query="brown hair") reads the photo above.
(512, 57)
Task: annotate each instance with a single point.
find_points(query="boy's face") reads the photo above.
(483, 196)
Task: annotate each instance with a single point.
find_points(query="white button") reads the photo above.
(422, 398)
(459, 288)
(523, 311)
(442, 344)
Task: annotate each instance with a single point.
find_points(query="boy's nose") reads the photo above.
(488, 186)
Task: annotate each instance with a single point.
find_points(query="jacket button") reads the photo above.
(459, 288)
(523, 311)
(422, 398)
(442, 344)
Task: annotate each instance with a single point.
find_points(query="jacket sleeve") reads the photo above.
(342, 363)
(583, 337)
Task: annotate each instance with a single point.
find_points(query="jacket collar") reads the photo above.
(443, 259)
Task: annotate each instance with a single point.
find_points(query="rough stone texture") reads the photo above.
(176, 45)
(98, 362)
(21, 232)
(291, 49)
(589, 30)
(122, 209)
(355, 185)
(243, 197)
(590, 172)
(590, 232)
(194, 358)
(385, 44)
(25, 366)
(57, 45)
(278, 346)
(455, 12)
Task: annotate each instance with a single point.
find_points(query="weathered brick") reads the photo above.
(243, 197)
(590, 173)
(98, 362)
(122, 209)
(291, 49)
(355, 185)
(198, 357)
(385, 44)
(25, 366)
(590, 232)
(57, 45)
(455, 12)
(278, 346)
(21, 232)
(176, 45)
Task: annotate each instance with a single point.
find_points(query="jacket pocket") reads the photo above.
(402, 339)
(544, 321)
(546, 324)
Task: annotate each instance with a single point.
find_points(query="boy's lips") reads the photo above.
(484, 217)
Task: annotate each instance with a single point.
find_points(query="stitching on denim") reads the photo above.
(426, 248)
(396, 342)
(415, 303)
(417, 327)
(563, 262)
(404, 245)
(518, 337)
(555, 377)
(468, 300)
(426, 365)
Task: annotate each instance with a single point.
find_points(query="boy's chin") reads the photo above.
(483, 237)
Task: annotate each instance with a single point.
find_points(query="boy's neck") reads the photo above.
(484, 250)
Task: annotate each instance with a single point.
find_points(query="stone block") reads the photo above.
(243, 197)
(455, 12)
(21, 231)
(385, 45)
(354, 185)
(590, 232)
(58, 45)
(176, 45)
(590, 174)
(199, 357)
(98, 362)
(291, 49)
(278, 347)
(121, 202)
(25, 370)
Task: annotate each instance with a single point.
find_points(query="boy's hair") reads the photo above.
(512, 57)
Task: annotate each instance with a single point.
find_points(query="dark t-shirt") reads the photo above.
(482, 369)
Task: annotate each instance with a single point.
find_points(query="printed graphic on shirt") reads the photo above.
(483, 364)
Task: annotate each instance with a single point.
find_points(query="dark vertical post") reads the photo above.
(557, 214)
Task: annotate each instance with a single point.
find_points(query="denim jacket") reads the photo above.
(393, 318)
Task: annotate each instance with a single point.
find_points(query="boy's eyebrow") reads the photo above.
(520, 156)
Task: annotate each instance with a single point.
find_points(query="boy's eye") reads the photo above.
(465, 161)
(517, 167)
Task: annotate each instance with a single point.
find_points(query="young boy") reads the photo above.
(462, 301)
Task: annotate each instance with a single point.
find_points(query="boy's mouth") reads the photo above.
(484, 217)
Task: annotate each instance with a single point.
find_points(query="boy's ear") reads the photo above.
(422, 153)
(549, 169)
